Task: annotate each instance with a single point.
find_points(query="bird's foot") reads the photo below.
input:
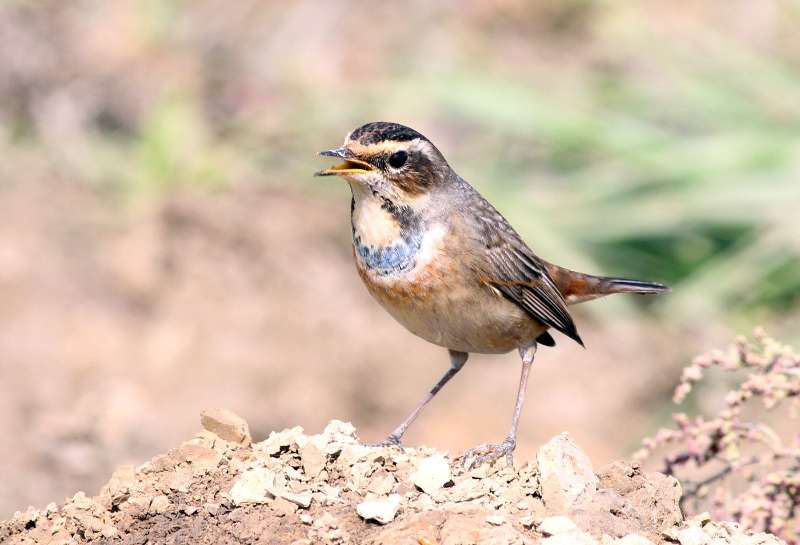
(489, 452)
(392, 440)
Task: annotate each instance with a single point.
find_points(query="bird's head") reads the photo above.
(389, 159)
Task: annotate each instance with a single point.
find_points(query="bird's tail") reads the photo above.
(578, 287)
(610, 284)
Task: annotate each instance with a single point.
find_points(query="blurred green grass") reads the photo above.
(648, 141)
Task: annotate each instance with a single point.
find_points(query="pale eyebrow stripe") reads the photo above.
(418, 144)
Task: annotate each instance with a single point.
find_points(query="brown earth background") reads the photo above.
(163, 247)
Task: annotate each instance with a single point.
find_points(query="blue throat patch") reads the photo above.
(398, 257)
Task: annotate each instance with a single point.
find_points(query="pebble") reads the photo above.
(159, 504)
(496, 520)
(252, 486)
(279, 440)
(565, 473)
(379, 510)
(313, 459)
(432, 474)
(226, 425)
(633, 539)
(283, 507)
(693, 535)
(552, 526)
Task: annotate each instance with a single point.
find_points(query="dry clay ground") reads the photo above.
(329, 488)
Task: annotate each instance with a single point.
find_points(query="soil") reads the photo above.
(292, 488)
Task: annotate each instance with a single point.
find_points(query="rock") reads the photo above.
(652, 498)
(432, 474)
(693, 535)
(382, 485)
(552, 526)
(252, 486)
(300, 499)
(280, 440)
(200, 458)
(633, 539)
(379, 510)
(496, 520)
(575, 538)
(566, 474)
(312, 458)
(226, 425)
(283, 507)
(467, 490)
(80, 501)
(159, 504)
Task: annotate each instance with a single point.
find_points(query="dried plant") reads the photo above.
(734, 464)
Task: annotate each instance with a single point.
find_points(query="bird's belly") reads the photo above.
(438, 300)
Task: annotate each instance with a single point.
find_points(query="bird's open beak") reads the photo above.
(350, 165)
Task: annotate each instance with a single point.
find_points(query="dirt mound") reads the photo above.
(328, 488)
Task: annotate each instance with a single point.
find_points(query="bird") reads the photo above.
(450, 268)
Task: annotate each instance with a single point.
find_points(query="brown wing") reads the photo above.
(515, 271)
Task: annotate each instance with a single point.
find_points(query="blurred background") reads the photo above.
(164, 248)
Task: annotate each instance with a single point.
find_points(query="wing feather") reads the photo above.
(513, 269)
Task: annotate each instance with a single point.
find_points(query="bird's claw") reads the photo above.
(489, 452)
(391, 440)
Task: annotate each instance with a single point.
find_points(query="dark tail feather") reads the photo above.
(610, 285)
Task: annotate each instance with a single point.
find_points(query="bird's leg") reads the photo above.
(489, 452)
(457, 361)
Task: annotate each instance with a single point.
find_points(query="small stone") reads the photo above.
(693, 535)
(552, 526)
(633, 539)
(670, 534)
(313, 459)
(189, 509)
(574, 538)
(382, 485)
(201, 459)
(566, 474)
(226, 425)
(252, 486)
(180, 480)
(527, 521)
(300, 499)
(350, 454)
(468, 489)
(283, 507)
(108, 531)
(139, 504)
(339, 431)
(496, 520)
(432, 474)
(159, 504)
(279, 440)
(305, 518)
(80, 501)
(326, 521)
(380, 510)
(211, 508)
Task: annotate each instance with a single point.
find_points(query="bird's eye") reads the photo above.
(398, 159)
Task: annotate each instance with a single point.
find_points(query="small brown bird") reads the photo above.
(449, 267)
